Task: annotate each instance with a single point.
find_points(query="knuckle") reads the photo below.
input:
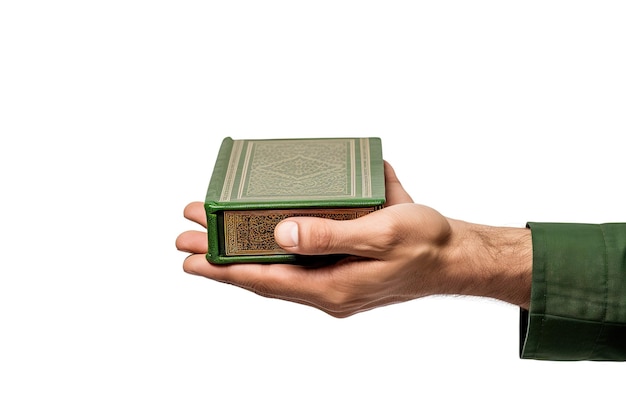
(338, 315)
(321, 237)
(336, 302)
(260, 289)
(388, 237)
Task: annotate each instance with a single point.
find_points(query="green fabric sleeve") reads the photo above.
(578, 296)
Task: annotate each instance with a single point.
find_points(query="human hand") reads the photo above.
(401, 252)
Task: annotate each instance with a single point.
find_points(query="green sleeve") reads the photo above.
(578, 296)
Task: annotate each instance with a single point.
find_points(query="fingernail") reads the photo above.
(286, 234)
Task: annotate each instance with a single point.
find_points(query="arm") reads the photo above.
(576, 311)
(402, 252)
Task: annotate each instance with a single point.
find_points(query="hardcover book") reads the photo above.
(256, 183)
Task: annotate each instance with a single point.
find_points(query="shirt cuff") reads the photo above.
(578, 295)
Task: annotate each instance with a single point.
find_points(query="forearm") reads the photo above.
(489, 261)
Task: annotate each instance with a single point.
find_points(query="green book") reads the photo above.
(256, 183)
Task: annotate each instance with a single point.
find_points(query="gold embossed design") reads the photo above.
(251, 232)
(298, 168)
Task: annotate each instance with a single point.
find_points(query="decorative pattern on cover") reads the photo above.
(300, 168)
(252, 232)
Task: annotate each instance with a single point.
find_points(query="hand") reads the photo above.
(401, 252)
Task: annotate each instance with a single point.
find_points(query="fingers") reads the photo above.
(323, 288)
(269, 280)
(193, 242)
(195, 212)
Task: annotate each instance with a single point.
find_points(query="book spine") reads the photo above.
(211, 201)
(219, 172)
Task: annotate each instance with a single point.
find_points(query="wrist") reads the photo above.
(490, 261)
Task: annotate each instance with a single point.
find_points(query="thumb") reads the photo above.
(319, 236)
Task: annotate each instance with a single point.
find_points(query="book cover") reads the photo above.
(256, 183)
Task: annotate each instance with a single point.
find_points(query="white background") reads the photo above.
(111, 114)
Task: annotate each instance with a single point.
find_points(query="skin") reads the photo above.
(399, 253)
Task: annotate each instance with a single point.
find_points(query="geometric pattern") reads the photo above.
(299, 168)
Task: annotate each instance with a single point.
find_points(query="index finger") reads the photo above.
(195, 212)
(283, 281)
